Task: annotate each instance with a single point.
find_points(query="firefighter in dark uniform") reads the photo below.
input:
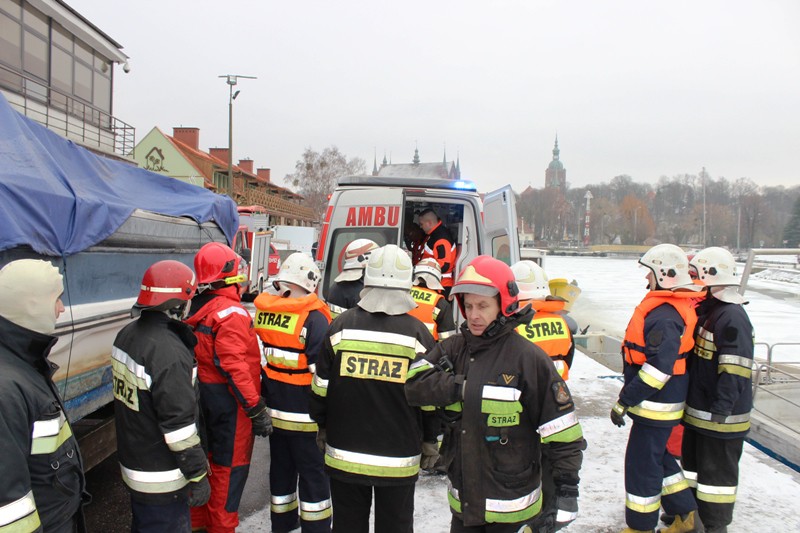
(373, 440)
(548, 328)
(155, 403)
(292, 325)
(717, 415)
(229, 372)
(40, 465)
(346, 289)
(439, 245)
(657, 340)
(432, 309)
(504, 402)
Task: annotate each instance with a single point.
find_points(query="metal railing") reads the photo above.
(67, 115)
(780, 382)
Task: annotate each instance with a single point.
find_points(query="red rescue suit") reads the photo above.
(549, 331)
(229, 372)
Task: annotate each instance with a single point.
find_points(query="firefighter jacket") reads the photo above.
(227, 348)
(156, 408)
(292, 331)
(511, 403)
(344, 295)
(373, 436)
(434, 311)
(657, 340)
(549, 331)
(720, 371)
(439, 245)
(40, 463)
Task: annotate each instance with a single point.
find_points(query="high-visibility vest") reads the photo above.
(550, 332)
(280, 324)
(634, 343)
(426, 310)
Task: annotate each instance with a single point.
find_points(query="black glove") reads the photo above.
(618, 414)
(199, 492)
(567, 505)
(259, 416)
(193, 462)
(430, 454)
(322, 437)
(718, 418)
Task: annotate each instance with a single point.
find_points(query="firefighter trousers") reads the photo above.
(151, 518)
(653, 478)
(394, 507)
(229, 435)
(293, 455)
(711, 466)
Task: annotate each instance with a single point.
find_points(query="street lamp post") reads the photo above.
(231, 80)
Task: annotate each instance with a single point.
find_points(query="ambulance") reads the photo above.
(385, 209)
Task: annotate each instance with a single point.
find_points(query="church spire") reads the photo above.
(416, 155)
(556, 151)
(375, 162)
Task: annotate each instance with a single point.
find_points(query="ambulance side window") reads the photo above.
(344, 236)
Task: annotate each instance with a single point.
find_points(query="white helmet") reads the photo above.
(715, 267)
(531, 280)
(298, 269)
(429, 271)
(670, 267)
(389, 267)
(356, 256)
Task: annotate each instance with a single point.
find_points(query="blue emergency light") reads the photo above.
(465, 185)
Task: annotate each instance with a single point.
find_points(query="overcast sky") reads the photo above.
(647, 89)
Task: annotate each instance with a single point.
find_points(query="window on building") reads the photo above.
(221, 181)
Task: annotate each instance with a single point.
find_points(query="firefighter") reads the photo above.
(346, 290)
(229, 371)
(40, 464)
(373, 440)
(292, 325)
(504, 402)
(439, 245)
(548, 329)
(657, 340)
(155, 403)
(432, 309)
(717, 416)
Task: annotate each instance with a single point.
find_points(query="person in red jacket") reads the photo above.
(439, 245)
(229, 372)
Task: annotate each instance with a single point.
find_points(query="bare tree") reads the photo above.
(316, 173)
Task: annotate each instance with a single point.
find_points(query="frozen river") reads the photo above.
(612, 287)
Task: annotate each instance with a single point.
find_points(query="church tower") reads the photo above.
(555, 177)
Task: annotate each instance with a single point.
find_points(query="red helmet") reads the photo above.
(216, 262)
(166, 284)
(488, 276)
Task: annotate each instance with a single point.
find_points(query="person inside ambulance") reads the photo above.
(346, 290)
(439, 245)
(717, 416)
(229, 372)
(432, 309)
(40, 464)
(657, 341)
(292, 325)
(156, 404)
(503, 401)
(414, 238)
(374, 442)
(548, 329)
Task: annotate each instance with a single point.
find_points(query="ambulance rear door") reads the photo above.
(373, 213)
(500, 225)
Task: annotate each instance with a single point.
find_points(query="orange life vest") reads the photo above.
(549, 331)
(280, 325)
(426, 310)
(634, 343)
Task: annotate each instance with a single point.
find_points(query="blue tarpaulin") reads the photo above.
(59, 198)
